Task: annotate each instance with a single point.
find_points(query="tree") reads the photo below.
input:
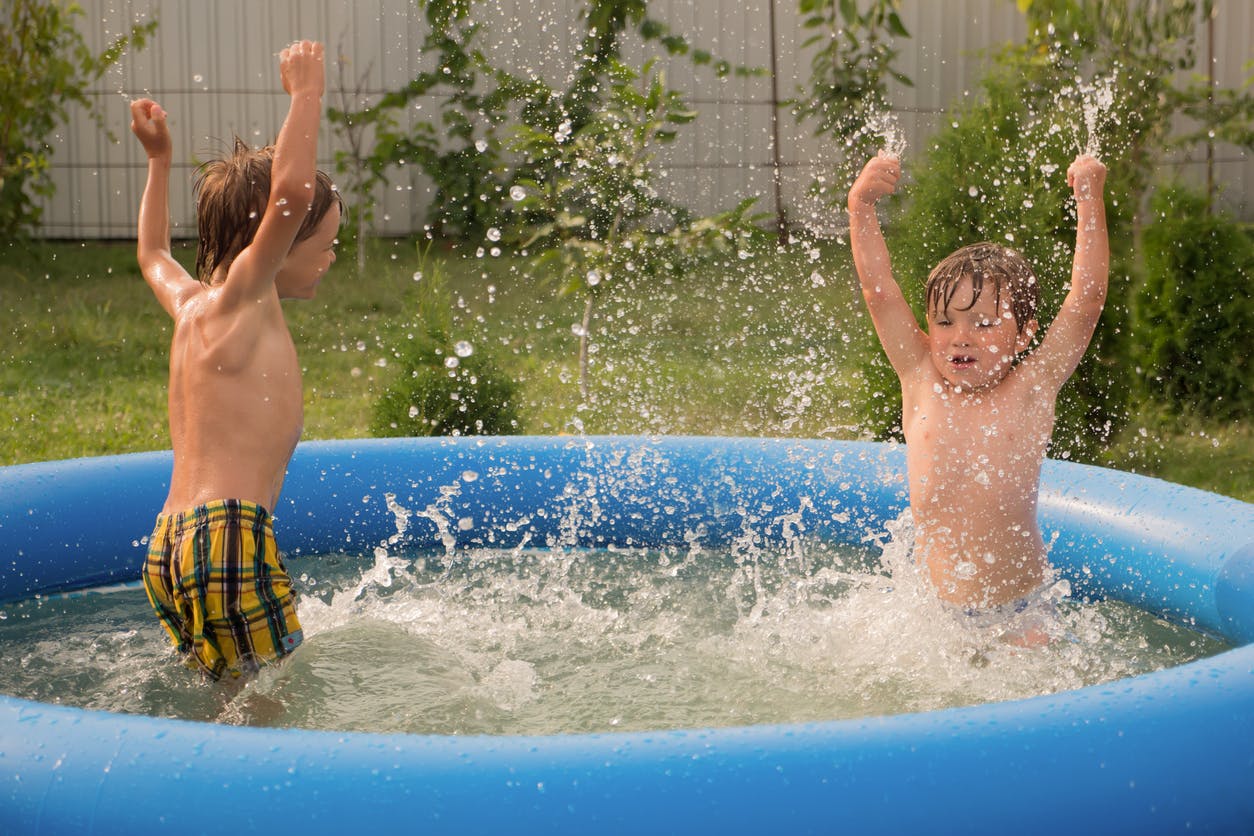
(462, 151)
(567, 171)
(1147, 52)
(591, 206)
(45, 66)
(847, 95)
(461, 154)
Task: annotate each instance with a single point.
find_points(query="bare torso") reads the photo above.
(974, 461)
(236, 408)
(976, 424)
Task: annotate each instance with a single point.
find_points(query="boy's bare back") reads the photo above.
(235, 397)
(976, 422)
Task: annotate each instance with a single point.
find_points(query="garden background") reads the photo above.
(619, 216)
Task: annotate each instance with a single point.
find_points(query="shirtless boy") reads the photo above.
(267, 223)
(977, 413)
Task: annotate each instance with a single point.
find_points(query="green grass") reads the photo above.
(770, 347)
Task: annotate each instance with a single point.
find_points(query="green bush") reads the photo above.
(46, 65)
(430, 398)
(1192, 313)
(444, 387)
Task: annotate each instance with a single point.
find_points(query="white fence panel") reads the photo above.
(213, 66)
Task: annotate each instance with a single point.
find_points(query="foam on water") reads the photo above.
(541, 641)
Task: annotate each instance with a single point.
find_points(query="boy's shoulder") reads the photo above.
(209, 306)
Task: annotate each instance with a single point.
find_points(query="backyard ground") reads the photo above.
(770, 346)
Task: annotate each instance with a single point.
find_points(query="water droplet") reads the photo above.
(517, 193)
(417, 275)
(198, 78)
(463, 349)
(481, 145)
(973, 191)
(451, 362)
(494, 234)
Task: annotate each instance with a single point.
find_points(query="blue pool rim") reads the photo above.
(1162, 753)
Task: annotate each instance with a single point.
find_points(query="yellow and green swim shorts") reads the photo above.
(217, 582)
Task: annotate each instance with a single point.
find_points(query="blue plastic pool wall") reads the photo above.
(1152, 754)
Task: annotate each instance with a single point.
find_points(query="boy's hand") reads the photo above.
(149, 126)
(1086, 176)
(301, 69)
(878, 178)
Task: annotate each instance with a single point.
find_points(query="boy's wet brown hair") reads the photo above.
(986, 263)
(231, 196)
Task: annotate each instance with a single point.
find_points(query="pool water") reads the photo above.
(563, 641)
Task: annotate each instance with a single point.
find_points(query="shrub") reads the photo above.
(444, 387)
(45, 67)
(429, 398)
(1191, 314)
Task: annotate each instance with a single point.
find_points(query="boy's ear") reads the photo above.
(1026, 335)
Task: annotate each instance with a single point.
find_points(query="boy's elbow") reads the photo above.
(147, 256)
(153, 255)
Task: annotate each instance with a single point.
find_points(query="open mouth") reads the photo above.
(962, 360)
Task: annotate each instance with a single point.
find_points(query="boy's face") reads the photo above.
(309, 260)
(973, 344)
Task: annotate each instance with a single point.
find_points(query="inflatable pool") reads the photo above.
(1164, 753)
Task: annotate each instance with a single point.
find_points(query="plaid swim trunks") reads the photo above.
(216, 580)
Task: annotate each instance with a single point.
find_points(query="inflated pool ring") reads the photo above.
(1170, 752)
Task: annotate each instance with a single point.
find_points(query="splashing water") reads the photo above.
(554, 640)
(885, 126)
(1096, 100)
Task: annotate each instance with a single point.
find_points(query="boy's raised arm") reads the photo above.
(899, 332)
(292, 172)
(167, 278)
(1069, 334)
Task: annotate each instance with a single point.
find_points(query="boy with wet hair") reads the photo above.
(267, 222)
(977, 412)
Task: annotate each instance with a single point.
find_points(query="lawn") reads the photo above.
(769, 346)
